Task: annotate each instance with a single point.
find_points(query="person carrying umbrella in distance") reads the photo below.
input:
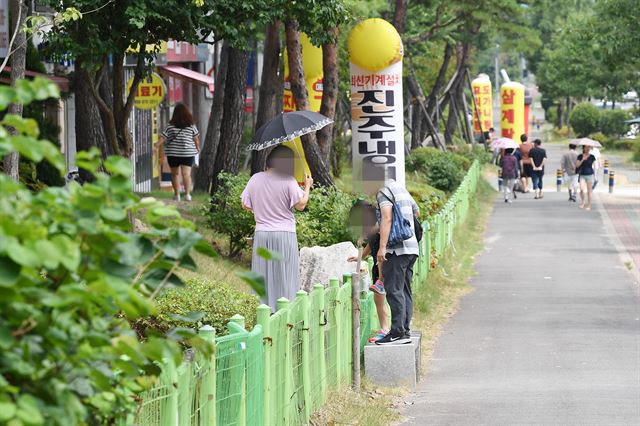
(271, 196)
(585, 169)
(509, 165)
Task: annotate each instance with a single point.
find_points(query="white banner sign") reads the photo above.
(377, 123)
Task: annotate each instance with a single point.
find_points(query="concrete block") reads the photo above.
(393, 365)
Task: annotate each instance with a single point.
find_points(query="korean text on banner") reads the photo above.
(482, 107)
(512, 110)
(377, 124)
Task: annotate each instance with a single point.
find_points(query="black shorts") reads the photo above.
(527, 170)
(180, 161)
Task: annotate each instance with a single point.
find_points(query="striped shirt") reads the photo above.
(408, 207)
(180, 142)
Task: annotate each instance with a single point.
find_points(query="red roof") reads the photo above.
(62, 82)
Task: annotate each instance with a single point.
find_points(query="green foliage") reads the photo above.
(612, 123)
(636, 150)
(477, 152)
(442, 170)
(72, 275)
(584, 119)
(226, 214)
(200, 302)
(324, 222)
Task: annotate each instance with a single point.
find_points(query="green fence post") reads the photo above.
(333, 312)
(208, 390)
(185, 373)
(346, 278)
(283, 305)
(169, 406)
(263, 314)
(242, 420)
(306, 378)
(319, 306)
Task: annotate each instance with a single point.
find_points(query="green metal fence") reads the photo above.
(280, 372)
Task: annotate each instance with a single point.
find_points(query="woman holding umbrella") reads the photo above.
(271, 196)
(585, 169)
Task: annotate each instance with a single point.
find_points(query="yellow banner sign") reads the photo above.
(150, 92)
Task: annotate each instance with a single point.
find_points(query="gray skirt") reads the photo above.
(281, 276)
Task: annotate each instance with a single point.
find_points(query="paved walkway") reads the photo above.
(551, 334)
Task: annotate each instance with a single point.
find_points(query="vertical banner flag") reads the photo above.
(512, 110)
(482, 107)
(312, 63)
(377, 122)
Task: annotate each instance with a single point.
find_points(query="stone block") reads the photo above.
(394, 365)
(318, 264)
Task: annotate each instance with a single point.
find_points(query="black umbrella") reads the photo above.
(287, 126)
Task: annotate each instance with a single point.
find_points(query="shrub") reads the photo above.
(584, 119)
(216, 302)
(636, 151)
(324, 222)
(606, 141)
(442, 170)
(226, 214)
(72, 277)
(477, 152)
(612, 122)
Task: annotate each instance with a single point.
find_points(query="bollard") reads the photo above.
(611, 181)
(500, 181)
(606, 167)
(559, 179)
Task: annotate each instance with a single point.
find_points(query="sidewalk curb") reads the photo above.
(615, 240)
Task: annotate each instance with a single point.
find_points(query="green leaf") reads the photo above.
(89, 160)
(27, 126)
(7, 95)
(43, 88)
(113, 214)
(181, 243)
(23, 255)
(255, 281)
(267, 254)
(28, 147)
(190, 317)
(7, 410)
(118, 166)
(48, 252)
(9, 271)
(28, 410)
(205, 248)
(69, 251)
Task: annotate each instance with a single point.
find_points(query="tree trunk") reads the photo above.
(319, 168)
(452, 120)
(232, 125)
(400, 15)
(416, 123)
(269, 88)
(559, 115)
(18, 61)
(204, 173)
(89, 128)
(432, 100)
(329, 93)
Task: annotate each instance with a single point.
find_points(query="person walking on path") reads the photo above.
(397, 261)
(180, 142)
(597, 165)
(568, 166)
(525, 162)
(586, 172)
(509, 165)
(538, 159)
(271, 196)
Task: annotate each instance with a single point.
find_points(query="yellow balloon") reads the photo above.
(374, 44)
(311, 59)
(512, 110)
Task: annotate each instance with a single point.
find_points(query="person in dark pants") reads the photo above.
(397, 262)
(538, 159)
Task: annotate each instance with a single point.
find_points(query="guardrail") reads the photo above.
(280, 372)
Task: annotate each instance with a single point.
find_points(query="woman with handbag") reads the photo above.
(181, 143)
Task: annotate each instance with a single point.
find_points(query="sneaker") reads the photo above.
(187, 197)
(378, 287)
(379, 335)
(176, 197)
(515, 196)
(390, 339)
(506, 201)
